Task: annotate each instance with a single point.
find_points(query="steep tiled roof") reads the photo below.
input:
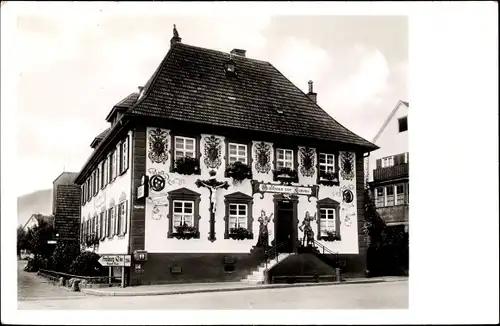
(99, 138)
(128, 101)
(191, 85)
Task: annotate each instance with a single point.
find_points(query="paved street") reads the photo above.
(31, 287)
(35, 293)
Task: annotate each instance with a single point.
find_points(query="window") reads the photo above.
(122, 218)
(238, 216)
(83, 194)
(124, 154)
(89, 190)
(403, 124)
(388, 161)
(116, 159)
(284, 158)
(379, 197)
(327, 220)
(389, 192)
(183, 207)
(237, 153)
(183, 213)
(326, 163)
(184, 147)
(400, 194)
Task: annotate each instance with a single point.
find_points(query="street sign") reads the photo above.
(115, 260)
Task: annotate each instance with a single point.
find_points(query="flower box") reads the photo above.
(187, 165)
(329, 178)
(331, 236)
(240, 234)
(286, 175)
(185, 232)
(239, 171)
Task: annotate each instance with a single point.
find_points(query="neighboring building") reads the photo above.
(35, 219)
(202, 111)
(388, 168)
(66, 207)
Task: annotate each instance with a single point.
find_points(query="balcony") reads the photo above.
(390, 173)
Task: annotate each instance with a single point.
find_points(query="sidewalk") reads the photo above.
(169, 289)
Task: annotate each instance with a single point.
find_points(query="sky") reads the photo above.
(73, 68)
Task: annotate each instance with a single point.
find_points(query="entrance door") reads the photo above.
(284, 226)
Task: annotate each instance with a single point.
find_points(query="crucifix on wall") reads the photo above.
(212, 184)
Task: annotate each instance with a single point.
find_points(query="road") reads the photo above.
(389, 295)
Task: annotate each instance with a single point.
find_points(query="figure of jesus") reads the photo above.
(213, 189)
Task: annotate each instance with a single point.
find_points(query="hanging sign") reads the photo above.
(262, 188)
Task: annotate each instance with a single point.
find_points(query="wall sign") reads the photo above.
(262, 188)
(115, 260)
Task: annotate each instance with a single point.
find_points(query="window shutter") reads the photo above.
(379, 163)
(98, 227)
(125, 154)
(119, 220)
(125, 219)
(108, 223)
(115, 222)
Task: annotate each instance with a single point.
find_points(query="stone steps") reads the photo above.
(257, 276)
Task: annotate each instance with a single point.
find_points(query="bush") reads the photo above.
(64, 254)
(87, 264)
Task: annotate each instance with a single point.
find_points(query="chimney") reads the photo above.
(239, 52)
(313, 96)
(175, 39)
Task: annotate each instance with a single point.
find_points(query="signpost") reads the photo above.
(116, 261)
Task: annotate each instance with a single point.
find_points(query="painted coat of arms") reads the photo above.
(212, 152)
(262, 157)
(158, 146)
(347, 162)
(307, 161)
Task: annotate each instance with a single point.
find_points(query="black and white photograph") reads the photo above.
(178, 161)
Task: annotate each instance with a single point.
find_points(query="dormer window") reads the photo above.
(230, 68)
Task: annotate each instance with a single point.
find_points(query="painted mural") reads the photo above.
(213, 158)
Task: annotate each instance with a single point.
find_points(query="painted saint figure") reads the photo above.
(213, 185)
(263, 240)
(305, 227)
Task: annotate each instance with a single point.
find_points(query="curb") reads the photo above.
(241, 288)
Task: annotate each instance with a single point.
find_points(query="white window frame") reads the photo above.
(284, 161)
(388, 161)
(238, 218)
(400, 198)
(124, 155)
(326, 224)
(387, 196)
(236, 156)
(325, 167)
(184, 150)
(183, 215)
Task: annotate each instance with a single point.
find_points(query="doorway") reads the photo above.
(284, 226)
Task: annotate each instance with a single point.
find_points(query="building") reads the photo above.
(66, 207)
(215, 158)
(35, 219)
(388, 168)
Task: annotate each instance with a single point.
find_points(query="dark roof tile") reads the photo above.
(191, 85)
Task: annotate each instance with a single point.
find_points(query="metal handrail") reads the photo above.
(274, 250)
(329, 251)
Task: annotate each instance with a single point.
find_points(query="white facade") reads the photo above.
(389, 139)
(157, 210)
(115, 192)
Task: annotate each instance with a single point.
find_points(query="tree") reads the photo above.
(22, 240)
(64, 254)
(38, 237)
(87, 264)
